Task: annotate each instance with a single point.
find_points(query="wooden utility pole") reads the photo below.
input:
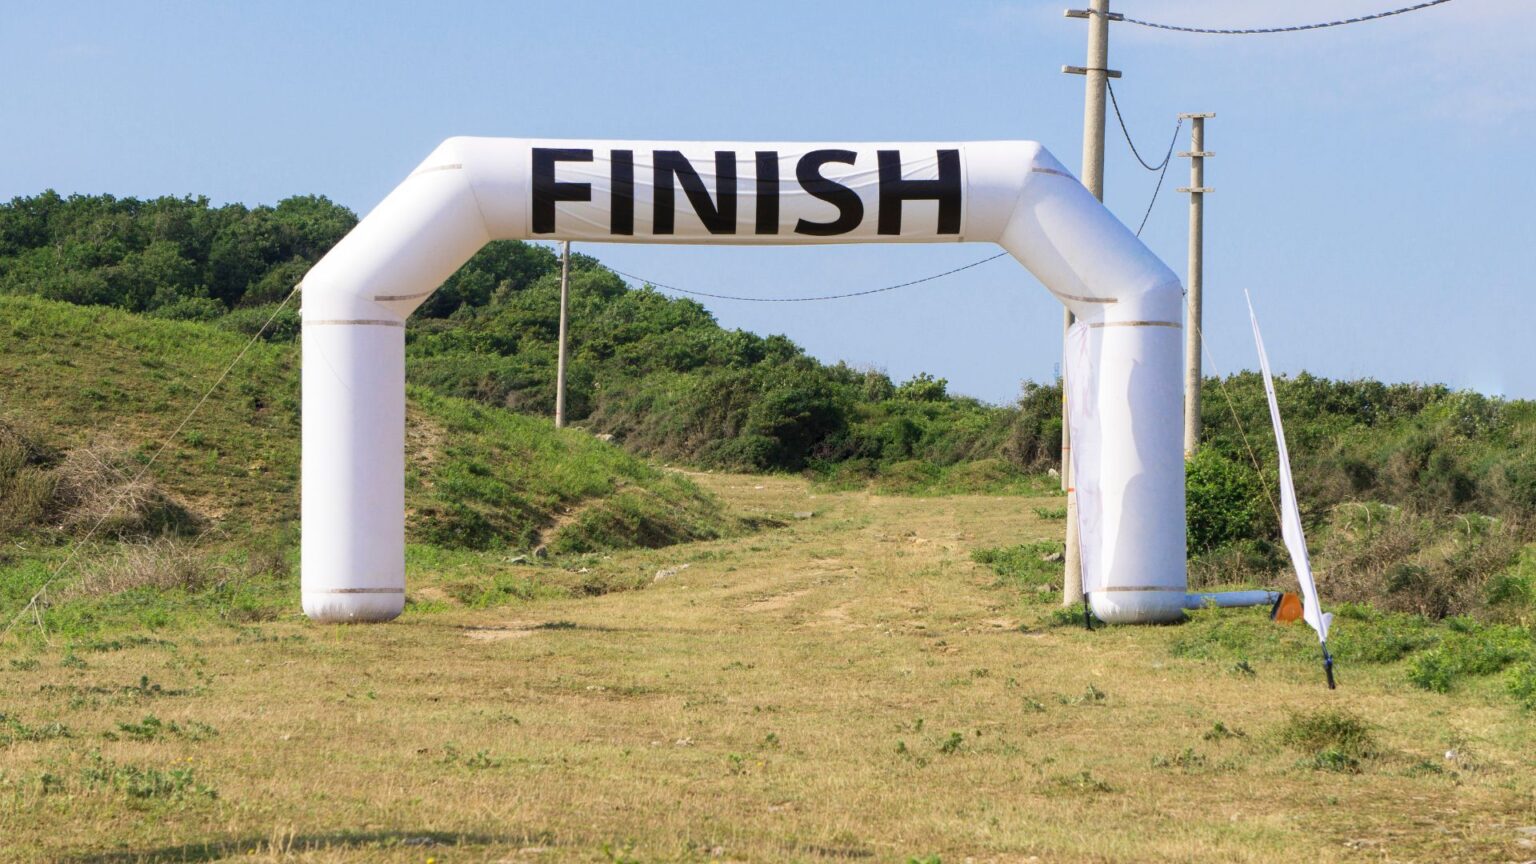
(1195, 286)
(565, 306)
(1096, 75)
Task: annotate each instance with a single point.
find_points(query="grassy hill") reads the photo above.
(658, 373)
(1417, 498)
(90, 391)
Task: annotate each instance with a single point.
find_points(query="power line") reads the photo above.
(1160, 175)
(1134, 152)
(1291, 29)
(1161, 167)
(663, 286)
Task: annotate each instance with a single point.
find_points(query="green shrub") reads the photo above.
(1431, 565)
(280, 325)
(1381, 638)
(1522, 685)
(1514, 588)
(1469, 650)
(1242, 562)
(27, 488)
(1225, 501)
(1433, 670)
(923, 387)
(635, 518)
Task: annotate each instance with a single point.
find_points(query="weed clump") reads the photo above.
(152, 728)
(13, 730)
(1091, 695)
(101, 482)
(1035, 568)
(1431, 564)
(26, 485)
(1220, 731)
(1082, 781)
(1187, 760)
(1331, 739)
(142, 785)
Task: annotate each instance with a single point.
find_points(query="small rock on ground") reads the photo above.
(667, 572)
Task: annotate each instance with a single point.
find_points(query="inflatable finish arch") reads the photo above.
(1123, 356)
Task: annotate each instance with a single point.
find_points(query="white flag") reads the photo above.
(1290, 516)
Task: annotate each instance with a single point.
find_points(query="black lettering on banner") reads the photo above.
(767, 192)
(621, 219)
(850, 210)
(894, 189)
(718, 216)
(547, 191)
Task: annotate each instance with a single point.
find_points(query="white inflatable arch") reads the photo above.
(1123, 354)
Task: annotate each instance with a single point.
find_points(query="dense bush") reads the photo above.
(1416, 498)
(175, 257)
(1225, 501)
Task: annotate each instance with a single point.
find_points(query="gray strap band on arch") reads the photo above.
(1174, 324)
(360, 591)
(384, 298)
(451, 166)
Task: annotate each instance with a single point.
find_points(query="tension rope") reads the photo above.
(1226, 393)
(1294, 28)
(32, 604)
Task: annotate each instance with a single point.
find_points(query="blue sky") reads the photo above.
(1373, 182)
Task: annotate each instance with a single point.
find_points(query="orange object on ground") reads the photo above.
(1289, 608)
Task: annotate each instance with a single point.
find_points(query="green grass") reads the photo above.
(1439, 656)
(1034, 569)
(493, 479)
(858, 657)
(924, 478)
(99, 387)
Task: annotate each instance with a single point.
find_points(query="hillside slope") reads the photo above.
(90, 391)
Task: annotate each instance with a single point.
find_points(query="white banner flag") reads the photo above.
(1290, 515)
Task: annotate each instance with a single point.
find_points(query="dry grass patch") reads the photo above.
(161, 564)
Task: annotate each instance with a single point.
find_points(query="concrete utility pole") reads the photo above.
(565, 305)
(1195, 286)
(1096, 75)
